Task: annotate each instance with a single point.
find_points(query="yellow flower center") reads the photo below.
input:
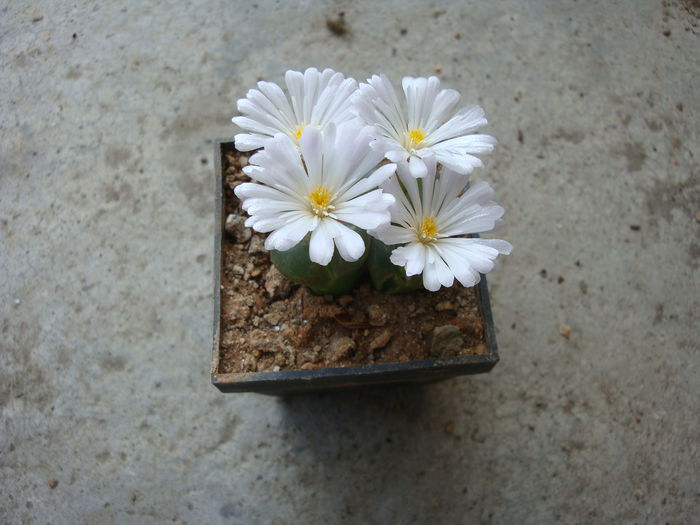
(414, 137)
(298, 132)
(428, 230)
(320, 200)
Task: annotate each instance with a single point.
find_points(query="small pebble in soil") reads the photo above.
(276, 285)
(446, 340)
(240, 309)
(381, 340)
(377, 316)
(250, 363)
(53, 483)
(341, 347)
(443, 306)
(257, 245)
(273, 318)
(235, 227)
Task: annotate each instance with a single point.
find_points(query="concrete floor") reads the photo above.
(106, 230)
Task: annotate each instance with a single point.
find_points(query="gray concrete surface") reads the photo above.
(106, 224)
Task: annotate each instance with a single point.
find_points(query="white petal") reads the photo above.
(350, 244)
(274, 94)
(412, 256)
(267, 121)
(316, 98)
(376, 179)
(472, 212)
(321, 245)
(470, 219)
(312, 152)
(431, 280)
(366, 221)
(444, 275)
(474, 255)
(295, 87)
(265, 224)
(279, 165)
(479, 193)
(348, 157)
(249, 190)
(255, 126)
(503, 247)
(392, 235)
(442, 109)
(420, 98)
(410, 184)
(474, 143)
(378, 105)
(463, 164)
(458, 263)
(368, 211)
(417, 167)
(289, 235)
(396, 155)
(249, 141)
(333, 104)
(467, 120)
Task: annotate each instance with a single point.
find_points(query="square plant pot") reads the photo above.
(318, 379)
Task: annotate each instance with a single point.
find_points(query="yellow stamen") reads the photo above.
(415, 137)
(321, 201)
(299, 130)
(428, 231)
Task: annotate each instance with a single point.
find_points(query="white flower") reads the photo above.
(429, 127)
(428, 218)
(322, 193)
(317, 99)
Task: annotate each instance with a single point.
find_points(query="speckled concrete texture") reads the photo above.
(107, 114)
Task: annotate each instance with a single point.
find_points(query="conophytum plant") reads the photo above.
(349, 181)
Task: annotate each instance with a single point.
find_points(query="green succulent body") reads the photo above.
(338, 277)
(385, 275)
